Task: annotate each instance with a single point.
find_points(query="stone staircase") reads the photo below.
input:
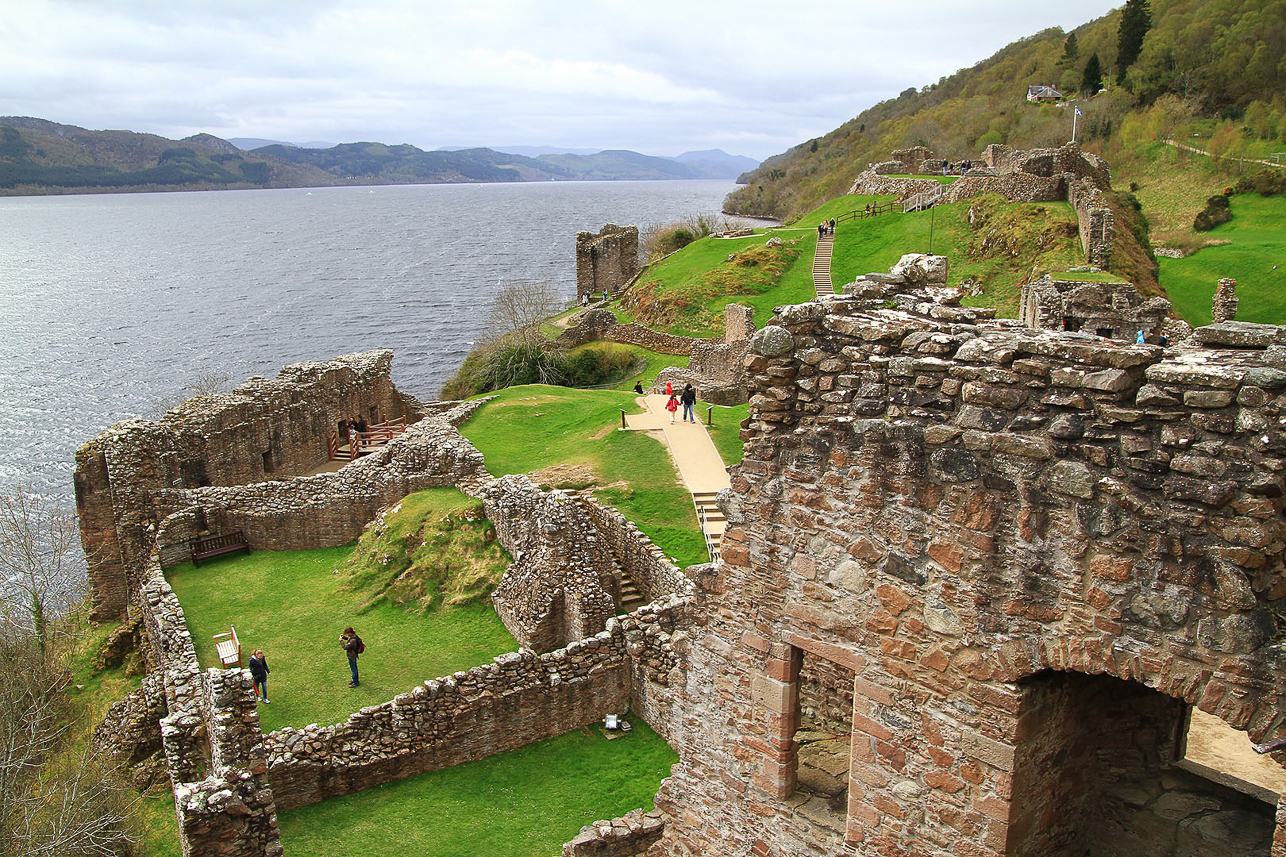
(713, 522)
(631, 597)
(822, 266)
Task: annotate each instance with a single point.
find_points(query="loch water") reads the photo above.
(111, 303)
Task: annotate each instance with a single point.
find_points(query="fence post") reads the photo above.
(622, 410)
(710, 416)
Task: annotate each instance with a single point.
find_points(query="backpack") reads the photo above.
(361, 647)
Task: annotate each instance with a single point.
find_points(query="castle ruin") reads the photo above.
(606, 261)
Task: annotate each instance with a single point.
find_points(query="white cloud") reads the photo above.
(662, 77)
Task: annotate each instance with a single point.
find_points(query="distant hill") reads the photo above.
(249, 144)
(38, 156)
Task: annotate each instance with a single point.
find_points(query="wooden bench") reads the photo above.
(228, 647)
(208, 546)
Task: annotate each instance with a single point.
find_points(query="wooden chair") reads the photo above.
(228, 647)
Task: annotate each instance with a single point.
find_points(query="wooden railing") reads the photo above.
(376, 435)
(874, 210)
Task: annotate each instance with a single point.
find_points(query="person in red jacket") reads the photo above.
(672, 406)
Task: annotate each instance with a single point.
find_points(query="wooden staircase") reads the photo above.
(713, 522)
(822, 266)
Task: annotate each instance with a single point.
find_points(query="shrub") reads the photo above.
(1217, 211)
(660, 240)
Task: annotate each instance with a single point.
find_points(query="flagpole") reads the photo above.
(1076, 111)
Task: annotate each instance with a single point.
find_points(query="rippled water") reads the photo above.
(110, 303)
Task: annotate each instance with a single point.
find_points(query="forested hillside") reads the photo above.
(1208, 72)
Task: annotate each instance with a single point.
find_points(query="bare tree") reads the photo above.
(519, 309)
(54, 798)
(39, 561)
(209, 382)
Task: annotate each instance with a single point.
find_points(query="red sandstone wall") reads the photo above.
(950, 510)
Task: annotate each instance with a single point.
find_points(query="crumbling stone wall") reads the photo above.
(325, 510)
(261, 430)
(1032, 175)
(562, 585)
(606, 260)
(950, 509)
(634, 554)
(716, 369)
(1224, 304)
(1115, 310)
(632, 833)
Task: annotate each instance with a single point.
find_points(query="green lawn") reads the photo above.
(524, 803)
(726, 432)
(293, 605)
(1255, 257)
(533, 427)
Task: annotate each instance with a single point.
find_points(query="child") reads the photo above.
(259, 672)
(672, 406)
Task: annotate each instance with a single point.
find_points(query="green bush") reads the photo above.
(1217, 211)
(509, 364)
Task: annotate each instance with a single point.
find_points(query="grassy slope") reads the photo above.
(875, 244)
(293, 605)
(518, 804)
(529, 428)
(1257, 243)
(726, 432)
(682, 271)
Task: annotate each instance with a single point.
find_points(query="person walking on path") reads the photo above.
(672, 406)
(259, 672)
(638, 387)
(689, 399)
(669, 388)
(353, 646)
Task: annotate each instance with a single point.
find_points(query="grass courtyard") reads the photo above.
(524, 803)
(294, 604)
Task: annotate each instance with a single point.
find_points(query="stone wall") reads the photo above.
(1095, 221)
(951, 510)
(318, 511)
(632, 833)
(606, 260)
(634, 554)
(519, 698)
(262, 430)
(1113, 310)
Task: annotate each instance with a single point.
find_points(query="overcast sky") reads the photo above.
(657, 76)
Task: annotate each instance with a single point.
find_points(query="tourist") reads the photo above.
(353, 439)
(605, 293)
(353, 646)
(259, 672)
(638, 387)
(360, 422)
(1140, 339)
(669, 388)
(832, 226)
(584, 299)
(672, 406)
(1164, 341)
(689, 399)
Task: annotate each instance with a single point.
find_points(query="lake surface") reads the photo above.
(111, 303)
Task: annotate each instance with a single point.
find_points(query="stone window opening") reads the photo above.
(1212, 749)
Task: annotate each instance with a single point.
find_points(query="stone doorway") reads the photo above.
(824, 740)
(1096, 774)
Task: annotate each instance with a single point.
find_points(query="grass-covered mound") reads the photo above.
(517, 804)
(294, 604)
(568, 438)
(435, 548)
(1251, 250)
(686, 292)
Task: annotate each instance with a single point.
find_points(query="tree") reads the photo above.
(1092, 77)
(1071, 50)
(38, 562)
(55, 799)
(1136, 20)
(515, 350)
